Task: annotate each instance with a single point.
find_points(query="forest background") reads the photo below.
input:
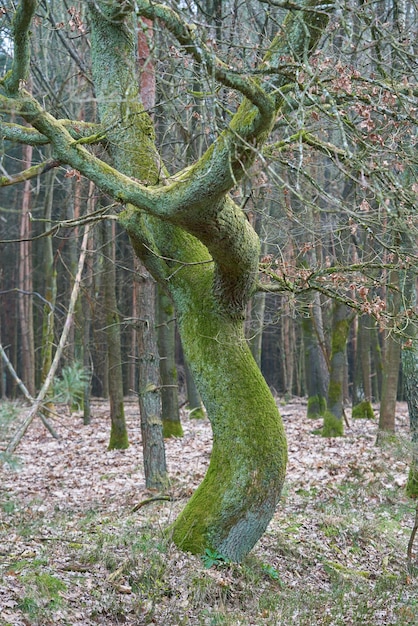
(332, 195)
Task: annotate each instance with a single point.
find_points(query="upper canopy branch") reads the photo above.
(232, 153)
(32, 137)
(194, 45)
(21, 41)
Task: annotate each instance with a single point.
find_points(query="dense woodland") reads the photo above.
(330, 189)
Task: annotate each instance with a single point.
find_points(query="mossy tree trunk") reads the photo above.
(166, 338)
(333, 419)
(316, 368)
(391, 361)
(118, 432)
(196, 242)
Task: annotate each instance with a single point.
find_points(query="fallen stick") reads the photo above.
(38, 401)
(25, 391)
(150, 500)
(411, 542)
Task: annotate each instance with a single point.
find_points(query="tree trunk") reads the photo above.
(333, 418)
(197, 242)
(170, 414)
(363, 389)
(149, 386)
(87, 301)
(391, 363)
(316, 368)
(194, 401)
(233, 505)
(118, 433)
(410, 366)
(25, 284)
(50, 284)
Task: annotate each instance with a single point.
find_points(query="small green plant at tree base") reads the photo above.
(197, 413)
(271, 572)
(212, 557)
(69, 387)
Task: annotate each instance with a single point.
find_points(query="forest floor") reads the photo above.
(74, 552)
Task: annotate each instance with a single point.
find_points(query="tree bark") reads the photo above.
(25, 284)
(333, 418)
(170, 414)
(391, 361)
(118, 432)
(155, 466)
(316, 368)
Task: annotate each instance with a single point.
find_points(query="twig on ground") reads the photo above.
(150, 500)
(411, 542)
(25, 392)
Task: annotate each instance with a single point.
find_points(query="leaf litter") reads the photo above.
(74, 551)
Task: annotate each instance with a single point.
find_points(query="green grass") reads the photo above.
(329, 558)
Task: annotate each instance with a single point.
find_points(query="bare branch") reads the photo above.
(90, 132)
(31, 172)
(21, 38)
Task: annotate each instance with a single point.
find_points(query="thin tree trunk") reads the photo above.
(50, 282)
(194, 401)
(410, 373)
(87, 300)
(391, 362)
(362, 407)
(57, 357)
(333, 418)
(316, 367)
(166, 341)
(118, 432)
(25, 284)
(155, 467)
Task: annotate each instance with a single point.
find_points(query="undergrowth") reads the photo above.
(327, 559)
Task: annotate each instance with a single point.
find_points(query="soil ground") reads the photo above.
(73, 551)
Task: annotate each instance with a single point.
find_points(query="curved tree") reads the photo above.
(192, 237)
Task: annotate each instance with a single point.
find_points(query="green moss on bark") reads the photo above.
(237, 498)
(363, 410)
(172, 429)
(317, 406)
(333, 427)
(197, 414)
(118, 439)
(334, 393)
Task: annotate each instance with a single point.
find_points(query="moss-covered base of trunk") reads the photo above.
(118, 441)
(411, 488)
(172, 428)
(333, 427)
(363, 410)
(317, 405)
(197, 413)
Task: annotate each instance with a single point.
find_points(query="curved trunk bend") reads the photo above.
(232, 507)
